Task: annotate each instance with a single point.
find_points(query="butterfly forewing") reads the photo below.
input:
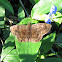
(20, 31)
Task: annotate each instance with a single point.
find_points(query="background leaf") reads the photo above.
(47, 43)
(21, 13)
(59, 40)
(2, 14)
(8, 46)
(43, 7)
(2, 11)
(7, 5)
(53, 60)
(34, 1)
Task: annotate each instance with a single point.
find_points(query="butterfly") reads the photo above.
(30, 33)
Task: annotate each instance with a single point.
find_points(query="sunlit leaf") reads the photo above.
(43, 7)
(12, 57)
(8, 46)
(58, 19)
(27, 20)
(5, 33)
(27, 50)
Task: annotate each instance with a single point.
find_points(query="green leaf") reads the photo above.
(27, 20)
(40, 17)
(43, 7)
(27, 50)
(12, 57)
(8, 46)
(1, 22)
(2, 11)
(52, 60)
(60, 11)
(5, 33)
(47, 43)
(34, 1)
(58, 19)
(0, 48)
(59, 40)
(21, 13)
(2, 14)
(7, 5)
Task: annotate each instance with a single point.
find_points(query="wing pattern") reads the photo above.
(32, 33)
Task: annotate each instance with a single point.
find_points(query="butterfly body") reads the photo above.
(32, 33)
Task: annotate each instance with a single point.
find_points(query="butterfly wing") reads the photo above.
(38, 30)
(21, 32)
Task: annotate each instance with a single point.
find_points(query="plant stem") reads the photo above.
(55, 53)
(24, 8)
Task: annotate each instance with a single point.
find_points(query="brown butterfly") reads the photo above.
(31, 33)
